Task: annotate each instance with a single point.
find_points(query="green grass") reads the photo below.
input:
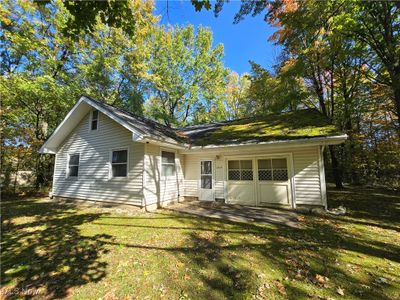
(299, 124)
(87, 253)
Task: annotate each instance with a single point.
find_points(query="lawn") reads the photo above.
(51, 250)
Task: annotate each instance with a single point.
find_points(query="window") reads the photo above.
(73, 165)
(167, 163)
(94, 121)
(119, 163)
(240, 170)
(272, 169)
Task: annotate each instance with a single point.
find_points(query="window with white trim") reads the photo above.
(119, 163)
(240, 170)
(94, 120)
(73, 165)
(272, 169)
(167, 163)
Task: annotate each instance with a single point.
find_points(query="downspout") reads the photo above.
(322, 177)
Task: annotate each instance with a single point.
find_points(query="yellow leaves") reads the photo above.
(288, 65)
(5, 20)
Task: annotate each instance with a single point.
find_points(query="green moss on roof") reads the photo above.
(271, 127)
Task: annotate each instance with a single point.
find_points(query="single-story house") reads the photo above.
(103, 153)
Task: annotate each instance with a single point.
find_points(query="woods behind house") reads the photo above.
(340, 57)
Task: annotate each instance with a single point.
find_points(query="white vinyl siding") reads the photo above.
(94, 182)
(306, 171)
(307, 177)
(151, 176)
(160, 189)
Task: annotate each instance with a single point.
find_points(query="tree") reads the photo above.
(236, 104)
(84, 16)
(376, 24)
(112, 67)
(44, 71)
(186, 74)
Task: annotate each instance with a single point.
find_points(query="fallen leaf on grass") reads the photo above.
(280, 287)
(300, 218)
(321, 279)
(340, 291)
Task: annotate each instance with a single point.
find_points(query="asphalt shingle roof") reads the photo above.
(301, 124)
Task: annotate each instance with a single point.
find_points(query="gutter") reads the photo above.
(165, 143)
(329, 140)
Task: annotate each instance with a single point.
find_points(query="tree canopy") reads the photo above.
(187, 75)
(339, 57)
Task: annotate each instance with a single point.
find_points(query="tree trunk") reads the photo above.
(17, 170)
(396, 90)
(39, 172)
(337, 174)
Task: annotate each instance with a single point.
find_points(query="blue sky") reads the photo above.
(245, 41)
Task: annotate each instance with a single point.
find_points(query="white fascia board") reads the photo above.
(164, 143)
(45, 148)
(331, 140)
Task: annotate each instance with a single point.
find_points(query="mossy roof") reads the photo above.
(301, 124)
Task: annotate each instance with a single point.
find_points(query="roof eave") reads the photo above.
(138, 134)
(165, 142)
(329, 140)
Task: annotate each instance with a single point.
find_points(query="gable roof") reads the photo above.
(142, 129)
(299, 125)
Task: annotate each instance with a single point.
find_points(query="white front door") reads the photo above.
(206, 190)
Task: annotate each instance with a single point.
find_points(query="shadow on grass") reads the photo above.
(42, 247)
(231, 259)
(367, 206)
(43, 251)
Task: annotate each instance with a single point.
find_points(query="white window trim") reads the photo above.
(91, 119)
(110, 177)
(161, 163)
(67, 168)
